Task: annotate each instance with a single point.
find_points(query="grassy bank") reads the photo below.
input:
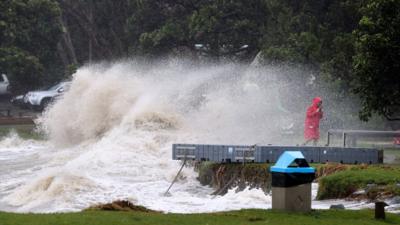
(24, 131)
(319, 217)
(382, 180)
(224, 176)
(335, 180)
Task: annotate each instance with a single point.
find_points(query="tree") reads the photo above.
(96, 28)
(223, 28)
(29, 33)
(25, 70)
(377, 59)
(226, 28)
(163, 26)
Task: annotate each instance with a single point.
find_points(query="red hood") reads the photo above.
(316, 100)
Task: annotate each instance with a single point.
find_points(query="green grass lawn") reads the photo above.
(253, 216)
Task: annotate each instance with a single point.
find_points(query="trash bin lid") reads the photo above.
(283, 165)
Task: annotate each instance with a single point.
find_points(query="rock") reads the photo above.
(358, 195)
(338, 206)
(370, 186)
(359, 192)
(395, 200)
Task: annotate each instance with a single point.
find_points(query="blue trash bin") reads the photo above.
(291, 182)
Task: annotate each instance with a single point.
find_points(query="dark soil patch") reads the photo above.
(121, 205)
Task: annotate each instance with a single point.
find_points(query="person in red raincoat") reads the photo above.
(396, 141)
(311, 125)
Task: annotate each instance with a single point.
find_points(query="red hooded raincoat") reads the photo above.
(313, 116)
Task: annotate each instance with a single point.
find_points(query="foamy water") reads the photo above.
(110, 138)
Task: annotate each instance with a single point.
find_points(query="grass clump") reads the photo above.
(343, 183)
(120, 205)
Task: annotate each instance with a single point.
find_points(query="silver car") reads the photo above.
(40, 99)
(4, 85)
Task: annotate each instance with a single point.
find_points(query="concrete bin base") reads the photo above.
(296, 198)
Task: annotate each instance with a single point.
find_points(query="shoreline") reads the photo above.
(349, 204)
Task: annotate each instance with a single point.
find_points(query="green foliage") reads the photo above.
(157, 27)
(162, 39)
(377, 59)
(344, 183)
(29, 33)
(23, 68)
(252, 216)
(354, 45)
(71, 69)
(222, 27)
(308, 31)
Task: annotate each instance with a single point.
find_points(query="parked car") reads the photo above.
(4, 85)
(40, 99)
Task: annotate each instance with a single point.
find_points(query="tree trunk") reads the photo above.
(62, 54)
(67, 42)
(90, 34)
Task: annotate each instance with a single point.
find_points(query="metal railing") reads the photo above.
(353, 135)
